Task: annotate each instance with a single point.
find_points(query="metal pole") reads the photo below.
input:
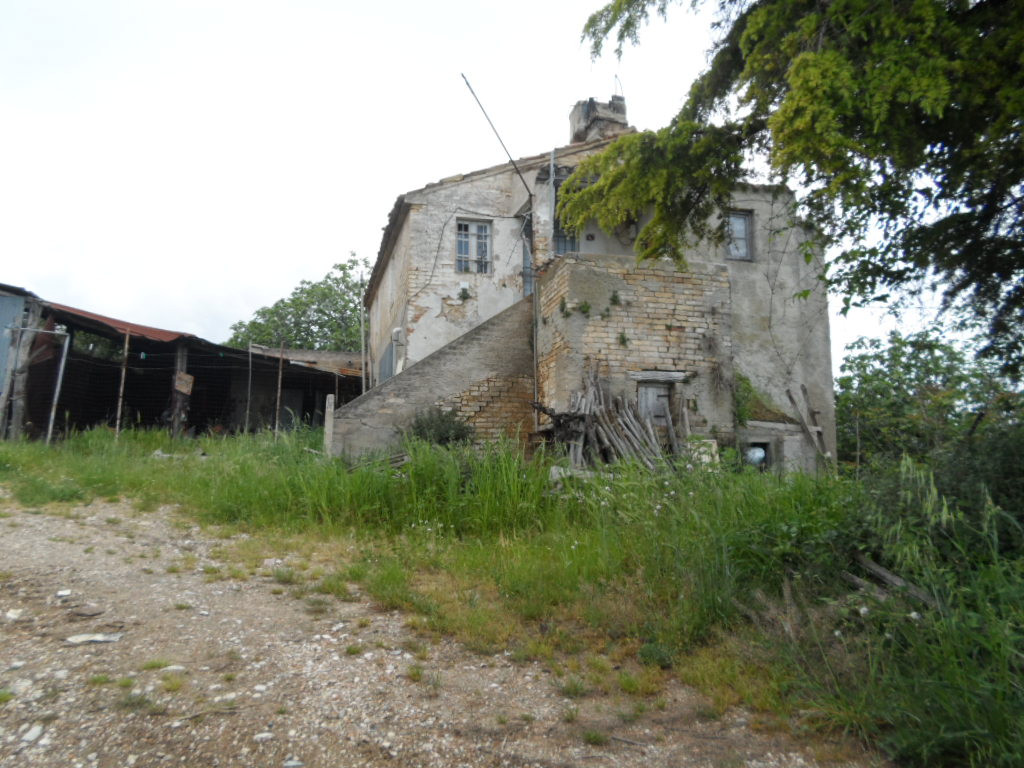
(248, 397)
(8, 384)
(178, 399)
(120, 391)
(329, 425)
(362, 350)
(56, 390)
(280, 373)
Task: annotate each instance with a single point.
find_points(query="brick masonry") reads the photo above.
(609, 313)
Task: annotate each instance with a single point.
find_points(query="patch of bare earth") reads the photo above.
(120, 645)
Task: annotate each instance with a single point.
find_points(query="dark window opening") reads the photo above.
(758, 455)
(740, 245)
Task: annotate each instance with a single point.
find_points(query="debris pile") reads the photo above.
(598, 429)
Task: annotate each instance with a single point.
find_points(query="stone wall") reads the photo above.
(486, 375)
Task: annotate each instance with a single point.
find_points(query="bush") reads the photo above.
(440, 427)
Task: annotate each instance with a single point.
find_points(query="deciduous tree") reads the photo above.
(902, 123)
(320, 315)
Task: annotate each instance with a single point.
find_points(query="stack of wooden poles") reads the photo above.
(598, 429)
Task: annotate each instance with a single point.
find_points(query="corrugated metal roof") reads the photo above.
(122, 327)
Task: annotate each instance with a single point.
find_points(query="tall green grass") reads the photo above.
(671, 564)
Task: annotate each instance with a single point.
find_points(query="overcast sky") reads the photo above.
(181, 163)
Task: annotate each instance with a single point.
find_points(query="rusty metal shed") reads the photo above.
(64, 368)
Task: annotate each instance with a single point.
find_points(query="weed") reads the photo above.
(140, 703)
(573, 687)
(570, 714)
(354, 650)
(155, 664)
(335, 584)
(125, 682)
(286, 576)
(6, 695)
(229, 677)
(595, 738)
(281, 711)
(414, 673)
(584, 308)
(100, 680)
(645, 682)
(634, 713)
(182, 607)
(172, 682)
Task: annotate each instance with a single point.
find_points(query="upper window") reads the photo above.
(741, 235)
(473, 246)
(564, 242)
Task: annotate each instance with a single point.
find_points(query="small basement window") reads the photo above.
(740, 244)
(758, 455)
(473, 246)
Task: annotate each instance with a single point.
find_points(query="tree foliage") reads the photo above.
(903, 122)
(914, 395)
(320, 315)
(919, 396)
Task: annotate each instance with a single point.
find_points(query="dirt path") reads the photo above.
(203, 672)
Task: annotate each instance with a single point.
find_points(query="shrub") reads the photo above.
(440, 427)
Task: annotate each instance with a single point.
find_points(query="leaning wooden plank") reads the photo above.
(865, 586)
(672, 441)
(808, 432)
(653, 436)
(611, 436)
(894, 580)
(609, 446)
(814, 420)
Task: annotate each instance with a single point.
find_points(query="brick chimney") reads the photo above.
(591, 120)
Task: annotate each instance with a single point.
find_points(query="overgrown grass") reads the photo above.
(732, 579)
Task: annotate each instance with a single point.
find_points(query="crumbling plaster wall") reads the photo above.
(780, 316)
(435, 314)
(486, 375)
(387, 310)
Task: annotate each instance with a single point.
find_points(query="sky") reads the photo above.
(181, 163)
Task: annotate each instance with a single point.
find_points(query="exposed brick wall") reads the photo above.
(496, 407)
(621, 317)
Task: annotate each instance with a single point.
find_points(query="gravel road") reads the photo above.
(121, 646)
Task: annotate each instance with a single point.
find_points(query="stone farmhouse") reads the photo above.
(480, 303)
